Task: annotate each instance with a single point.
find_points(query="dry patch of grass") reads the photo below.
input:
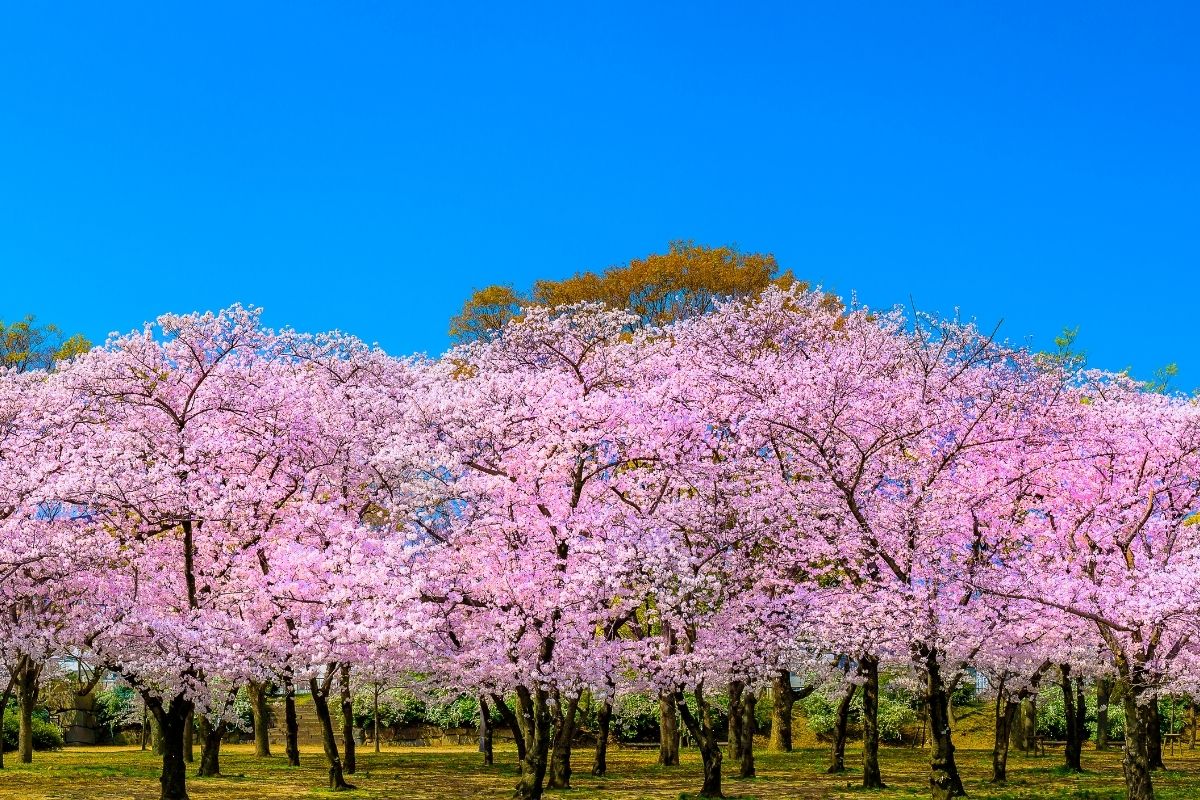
(121, 773)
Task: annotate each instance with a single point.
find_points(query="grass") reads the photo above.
(124, 773)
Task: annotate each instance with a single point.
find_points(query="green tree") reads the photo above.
(27, 345)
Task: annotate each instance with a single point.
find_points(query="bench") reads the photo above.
(1040, 744)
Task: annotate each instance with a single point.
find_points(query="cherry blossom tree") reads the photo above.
(1109, 541)
(520, 443)
(154, 459)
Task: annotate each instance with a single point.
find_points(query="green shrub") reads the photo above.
(1052, 720)
(117, 707)
(895, 713)
(452, 711)
(396, 707)
(444, 709)
(46, 735)
(635, 717)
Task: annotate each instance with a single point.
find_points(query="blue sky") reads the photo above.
(364, 165)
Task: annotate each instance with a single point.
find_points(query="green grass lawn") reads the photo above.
(112, 773)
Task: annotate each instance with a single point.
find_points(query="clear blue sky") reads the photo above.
(364, 165)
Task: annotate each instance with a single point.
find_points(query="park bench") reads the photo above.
(1041, 743)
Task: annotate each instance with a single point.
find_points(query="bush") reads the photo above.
(444, 709)
(46, 735)
(117, 707)
(635, 717)
(452, 711)
(895, 712)
(1052, 720)
(396, 707)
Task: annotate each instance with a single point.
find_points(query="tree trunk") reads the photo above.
(1080, 713)
(1104, 689)
(564, 732)
(837, 753)
(746, 740)
(1006, 713)
(375, 721)
(485, 732)
(1074, 745)
(735, 719)
(1136, 764)
(210, 746)
(944, 780)
(700, 726)
(868, 668)
(783, 699)
(320, 696)
(171, 721)
(156, 736)
(27, 695)
(668, 731)
(291, 725)
(1021, 732)
(261, 714)
(1154, 735)
(348, 721)
(189, 743)
(533, 715)
(514, 725)
(604, 720)
(1192, 723)
(4, 698)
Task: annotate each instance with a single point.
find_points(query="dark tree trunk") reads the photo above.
(837, 753)
(375, 718)
(210, 746)
(944, 780)
(700, 726)
(1104, 689)
(735, 719)
(1028, 717)
(350, 761)
(261, 714)
(783, 699)
(189, 738)
(1074, 744)
(291, 725)
(1154, 734)
(746, 740)
(1136, 764)
(668, 731)
(533, 714)
(1080, 713)
(1192, 723)
(603, 721)
(564, 732)
(171, 721)
(320, 696)
(1018, 736)
(1006, 713)
(514, 725)
(27, 695)
(4, 698)
(868, 669)
(485, 733)
(156, 736)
